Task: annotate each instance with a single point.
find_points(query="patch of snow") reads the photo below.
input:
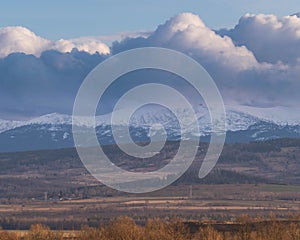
(66, 135)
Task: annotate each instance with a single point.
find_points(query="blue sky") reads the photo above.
(73, 18)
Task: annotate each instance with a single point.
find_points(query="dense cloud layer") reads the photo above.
(33, 86)
(255, 63)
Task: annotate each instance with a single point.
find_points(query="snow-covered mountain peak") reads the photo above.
(279, 115)
(52, 118)
(237, 118)
(243, 124)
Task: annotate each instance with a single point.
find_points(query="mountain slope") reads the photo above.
(243, 124)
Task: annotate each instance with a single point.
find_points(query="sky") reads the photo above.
(251, 48)
(75, 18)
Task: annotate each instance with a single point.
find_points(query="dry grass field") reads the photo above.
(125, 228)
(214, 202)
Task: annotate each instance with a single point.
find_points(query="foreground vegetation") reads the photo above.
(124, 228)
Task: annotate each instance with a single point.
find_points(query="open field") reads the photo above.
(215, 202)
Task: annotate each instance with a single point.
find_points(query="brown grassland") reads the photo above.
(124, 228)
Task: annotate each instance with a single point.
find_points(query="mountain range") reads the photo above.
(243, 124)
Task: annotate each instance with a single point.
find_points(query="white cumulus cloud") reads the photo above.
(186, 32)
(270, 39)
(86, 45)
(22, 40)
(256, 63)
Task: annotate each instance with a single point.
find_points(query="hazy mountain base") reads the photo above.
(30, 174)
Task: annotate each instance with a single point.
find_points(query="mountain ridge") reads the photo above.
(55, 130)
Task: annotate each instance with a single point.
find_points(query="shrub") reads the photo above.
(41, 232)
(91, 233)
(8, 236)
(171, 230)
(207, 233)
(123, 228)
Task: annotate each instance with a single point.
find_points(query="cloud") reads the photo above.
(32, 86)
(86, 45)
(269, 38)
(22, 40)
(256, 63)
(187, 33)
(119, 36)
(296, 14)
